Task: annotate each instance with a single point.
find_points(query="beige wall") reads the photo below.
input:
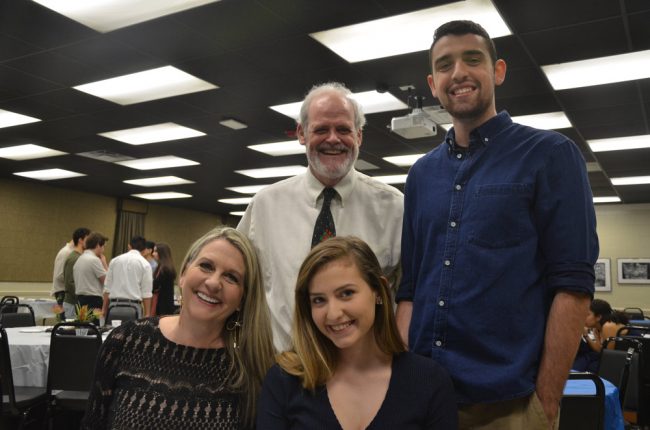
(37, 219)
(624, 232)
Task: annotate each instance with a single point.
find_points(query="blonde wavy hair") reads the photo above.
(314, 357)
(253, 354)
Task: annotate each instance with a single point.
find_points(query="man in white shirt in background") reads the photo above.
(129, 279)
(281, 218)
(90, 272)
(58, 285)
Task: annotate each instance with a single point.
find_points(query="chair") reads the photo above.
(583, 411)
(615, 363)
(17, 402)
(17, 318)
(121, 311)
(637, 395)
(71, 367)
(634, 313)
(7, 302)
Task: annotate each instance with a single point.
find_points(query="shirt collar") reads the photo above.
(481, 135)
(343, 188)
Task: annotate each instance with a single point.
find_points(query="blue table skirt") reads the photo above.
(613, 413)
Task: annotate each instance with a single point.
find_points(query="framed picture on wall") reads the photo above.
(603, 275)
(634, 270)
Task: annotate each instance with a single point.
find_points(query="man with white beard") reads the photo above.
(286, 219)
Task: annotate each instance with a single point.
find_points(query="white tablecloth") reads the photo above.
(30, 354)
(43, 308)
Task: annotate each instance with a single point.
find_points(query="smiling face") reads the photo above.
(212, 285)
(343, 305)
(331, 138)
(464, 78)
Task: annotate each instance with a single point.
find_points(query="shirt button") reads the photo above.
(459, 156)
(453, 224)
(458, 187)
(441, 303)
(447, 263)
(438, 343)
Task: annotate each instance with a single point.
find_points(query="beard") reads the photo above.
(332, 172)
(468, 112)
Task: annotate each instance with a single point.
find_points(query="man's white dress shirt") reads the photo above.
(280, 222)
(129, 277)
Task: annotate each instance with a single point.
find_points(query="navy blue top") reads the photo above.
(420, 396)
(489, 235)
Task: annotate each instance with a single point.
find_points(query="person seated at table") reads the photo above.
(603, 322)
(200, 369)
(348, 367)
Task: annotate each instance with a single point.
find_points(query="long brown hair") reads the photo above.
(165, 260)
(314, 357)
(249, 345)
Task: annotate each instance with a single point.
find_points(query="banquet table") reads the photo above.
(43, 308)
(29, 350)
(613, 412)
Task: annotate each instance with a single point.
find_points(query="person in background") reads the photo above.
(70, 297)
(202, 369)
(90, 272)
(498, 246)
(147, 253)
(58, 284)
(129, 279)
(163, 280)
(286, 219)
(349, 368)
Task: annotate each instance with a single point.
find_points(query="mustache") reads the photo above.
(331, 146)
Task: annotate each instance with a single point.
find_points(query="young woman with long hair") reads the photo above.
(163, 280)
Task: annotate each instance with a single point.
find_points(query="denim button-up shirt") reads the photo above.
(489, 235)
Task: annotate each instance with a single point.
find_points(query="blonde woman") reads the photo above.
(200, 369)
(349, 368)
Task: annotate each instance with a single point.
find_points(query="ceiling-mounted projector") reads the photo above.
(415, 125)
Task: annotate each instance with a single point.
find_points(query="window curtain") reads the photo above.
(129, 224)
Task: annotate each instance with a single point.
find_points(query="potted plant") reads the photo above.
(84, 314)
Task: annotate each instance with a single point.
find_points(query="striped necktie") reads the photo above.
(324, 228)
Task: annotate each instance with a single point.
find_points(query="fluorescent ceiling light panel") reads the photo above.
(631, 180)
(249, 189)
(544, 121)
(158, 182)
(598, 71)
(288, 147)
(391, 179)
(607, 199)
(9, 119)
(148, 85)
(49, 174)
(108, 15)
(237, 201)
(273, 172)
(157, 163)
(28, 152)
(233, 123)
(404, 160)
(370, 101)
(362, 164)
(409, 32)
(620, 143)
(152, 133)
(237, 213)
(162, 196)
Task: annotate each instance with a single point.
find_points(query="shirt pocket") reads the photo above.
(499, 215)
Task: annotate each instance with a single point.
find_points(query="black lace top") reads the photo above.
(145, 381)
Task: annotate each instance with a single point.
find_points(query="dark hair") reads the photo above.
(601, 309)
(138, 242)
(617, 317)
(461, 28)
(94, 239)
(149, 245)
(78, 234)
(165, 261)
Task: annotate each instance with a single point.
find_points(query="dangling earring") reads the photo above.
(234, 325)
(379, 301)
